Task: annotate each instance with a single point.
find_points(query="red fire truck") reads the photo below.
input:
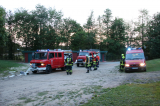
(135, 60)
(81, 59)
(46, 60)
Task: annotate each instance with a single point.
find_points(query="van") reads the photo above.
(135, 60)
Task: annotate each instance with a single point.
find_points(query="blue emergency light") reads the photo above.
(37, 50)
(138, 48)
(47, 49)
(129, 49)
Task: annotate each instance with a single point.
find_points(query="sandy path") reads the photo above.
(58, 88)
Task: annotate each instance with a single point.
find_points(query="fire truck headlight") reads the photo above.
(42, 64)
(126, 65)
(30, 64)
(142, 64)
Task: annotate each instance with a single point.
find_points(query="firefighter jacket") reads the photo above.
(97, 57)
(122, 61)
(88, 61)
(69, 61)
(95, 60)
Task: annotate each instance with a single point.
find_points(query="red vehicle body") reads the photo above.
(46, 60)
(135, 60)
(81, 59)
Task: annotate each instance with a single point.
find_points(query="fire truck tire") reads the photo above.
(77, 64)
(34, 72)
(126, 71)
(63, 69)
(48, 69)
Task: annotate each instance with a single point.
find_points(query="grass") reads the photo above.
(42, 93)
(7, 64)
(128, 95)
(153, 65)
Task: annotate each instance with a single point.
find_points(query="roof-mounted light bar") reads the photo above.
(129, 49)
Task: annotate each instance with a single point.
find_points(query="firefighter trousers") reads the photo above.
(69, 68)
(95, 65)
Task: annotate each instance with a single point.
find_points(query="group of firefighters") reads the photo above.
(91, 61)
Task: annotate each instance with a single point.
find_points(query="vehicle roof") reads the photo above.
(50, 51)
(134, 51)
(88, 51)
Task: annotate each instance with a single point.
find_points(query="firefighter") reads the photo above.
(122, 62)
(87, 63)
(98, 59)
(91, 62)
(69, 64)
(95, 61)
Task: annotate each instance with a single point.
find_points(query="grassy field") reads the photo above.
(128, 95)
(153, 65)
(5, 65)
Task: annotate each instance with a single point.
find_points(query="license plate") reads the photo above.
(134, 67)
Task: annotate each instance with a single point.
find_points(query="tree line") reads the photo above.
(45, 28)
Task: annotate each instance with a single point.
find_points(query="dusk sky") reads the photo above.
(79, 10)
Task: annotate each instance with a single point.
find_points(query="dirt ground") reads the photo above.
(60, 89)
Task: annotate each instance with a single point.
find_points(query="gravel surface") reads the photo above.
(57, 88)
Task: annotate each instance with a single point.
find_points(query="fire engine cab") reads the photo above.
(81, 59)
(135, 60)
(46, 60)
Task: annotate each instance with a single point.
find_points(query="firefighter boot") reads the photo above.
(67, 73)
(87, 71)
(90, 68)
(70, 73)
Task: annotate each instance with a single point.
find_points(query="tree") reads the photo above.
(107, 20)
(78, 40)
(69, 28)
(3, 37)
(90, 28)
(10, 35)
(38, 29)
(153, 33)
(116, 40)
(142, 25)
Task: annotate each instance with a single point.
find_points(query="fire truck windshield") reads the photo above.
(135, 56)
(83, 53)
(41, 55)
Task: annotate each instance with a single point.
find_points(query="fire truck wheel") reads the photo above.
(77, 64)
(63, 69)
(34, 72)
(48, 69)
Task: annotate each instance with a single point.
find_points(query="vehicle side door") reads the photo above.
(52, 60)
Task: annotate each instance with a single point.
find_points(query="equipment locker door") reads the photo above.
(60, 60)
